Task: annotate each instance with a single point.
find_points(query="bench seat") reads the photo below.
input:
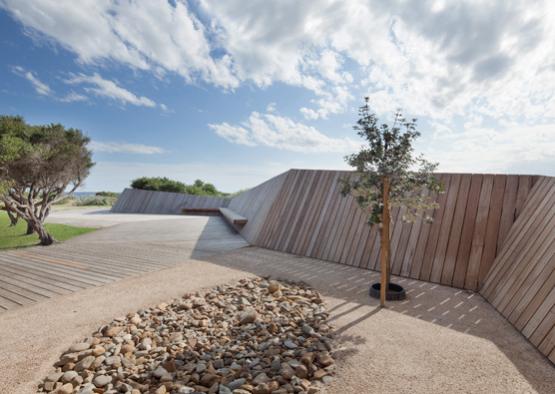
(232, 217)
(201, 211)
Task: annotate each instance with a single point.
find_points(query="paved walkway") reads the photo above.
(138, 244)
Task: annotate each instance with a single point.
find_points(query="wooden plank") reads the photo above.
(418, 259)
(433, 236)
(445, 229)
(492, 228)
(325, 216)
(524, 187)
(544, 336)
(354, 236)
(400, 241)
(509, 208)
(537, 204)
(456, 231)
(321, 244)
(525, 308)
(314, 213)
(467, 232)
(312, 178)
(532, 253)
(339, 215)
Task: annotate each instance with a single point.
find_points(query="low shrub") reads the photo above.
(95, 201)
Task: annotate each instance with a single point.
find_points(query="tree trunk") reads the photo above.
(13, 217)
(384, 243)
(45, 238)
(29, 229)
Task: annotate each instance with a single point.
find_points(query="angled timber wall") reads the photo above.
(147, 201)
(521, 282)
(255, 203)
(309, 217)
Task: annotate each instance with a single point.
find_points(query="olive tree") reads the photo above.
(39, 165)
(389, 174)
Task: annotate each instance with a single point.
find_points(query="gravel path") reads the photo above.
(440, 339)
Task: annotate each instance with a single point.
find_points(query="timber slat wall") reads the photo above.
(521, 282)
(306, 215)
(147, 201)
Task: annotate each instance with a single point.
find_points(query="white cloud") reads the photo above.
(481, 63)
(73, 97)
(122, 147)
(106, 88)
(484, 150)
(495, 59)
(282, 133)
(40, 87)
(147, 35)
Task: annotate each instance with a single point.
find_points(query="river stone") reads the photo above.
(273, 286)
(85, 363)
(69, 376)
(249, 315)
(102, 380)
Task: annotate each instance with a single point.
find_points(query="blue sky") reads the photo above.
(236, 92)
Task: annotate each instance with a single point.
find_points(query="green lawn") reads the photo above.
(14, 237)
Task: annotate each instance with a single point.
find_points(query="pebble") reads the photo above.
(102, 380)
(248, 316)
(69, 376)
(256, 336)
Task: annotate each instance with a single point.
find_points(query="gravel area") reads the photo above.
(256, 336)
(439, 340)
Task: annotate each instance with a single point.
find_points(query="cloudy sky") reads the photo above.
(237, 91)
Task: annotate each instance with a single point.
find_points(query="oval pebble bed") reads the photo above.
(257, 336)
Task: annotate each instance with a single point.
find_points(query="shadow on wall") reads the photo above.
(460, 310)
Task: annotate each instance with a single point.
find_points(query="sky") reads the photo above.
(234, 92)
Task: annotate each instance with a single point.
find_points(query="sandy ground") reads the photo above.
(439, 340)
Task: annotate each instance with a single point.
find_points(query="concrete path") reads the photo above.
(138, 244)
(101, 217)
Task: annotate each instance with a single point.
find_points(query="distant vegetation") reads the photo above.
(99, 199)
(163, 184)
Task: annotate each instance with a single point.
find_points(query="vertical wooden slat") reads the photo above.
(456, 231)
(435, 229)
(445, 228)
(465, 245)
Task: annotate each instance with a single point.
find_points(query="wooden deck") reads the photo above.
(30, 275)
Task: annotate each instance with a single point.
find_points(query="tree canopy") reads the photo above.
(164, 184)
(390, 152)
(38, 164)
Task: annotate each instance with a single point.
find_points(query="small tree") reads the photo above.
(37, 165)
(388, 175)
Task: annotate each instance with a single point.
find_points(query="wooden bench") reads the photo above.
(201, 211)
(232, 217)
